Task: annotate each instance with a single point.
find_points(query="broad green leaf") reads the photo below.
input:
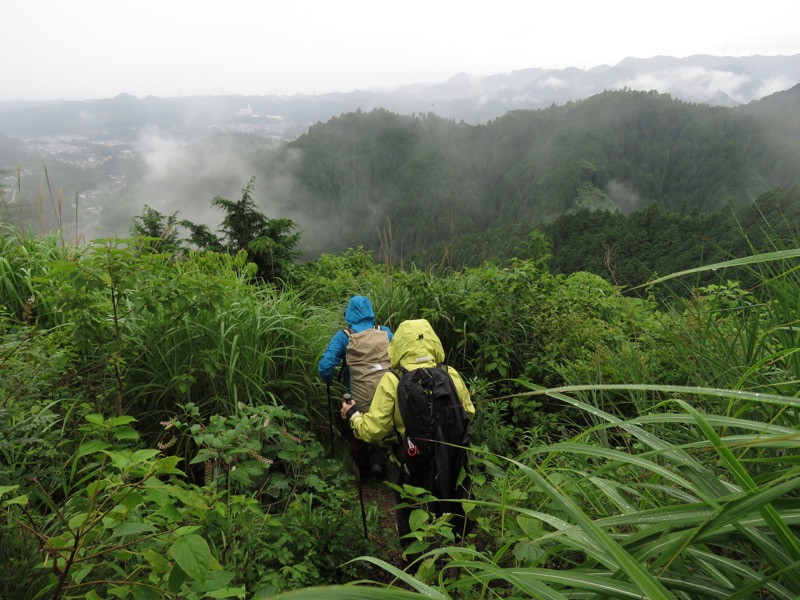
(157, 560)
(417, 547)
(133, 529)
(131, 500)
(168, 510)
(21, 500)
(4, 489)
(177, 577)
(141, 456)
(187, 530)
(59, 541)
(122, 420)
(119, 459)
(81, 574)
(188, 497)
(418, 518)
(95, 419)
(527, 552)
(91, 447)
(227, 593)
(126, 433)
(95, 487)
(141, 592)
(77, 521)
(193, 555)
(529, 526)
(167, 465)
(217, 579)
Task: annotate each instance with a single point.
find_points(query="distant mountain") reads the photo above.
(378, 175)
(408, 167)
(718, 81)
(713, 80)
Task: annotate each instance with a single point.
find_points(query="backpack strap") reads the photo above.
(398, 372)
(348, 332)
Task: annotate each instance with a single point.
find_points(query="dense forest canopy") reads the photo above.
(628, 249)
(424, 179)
(399, 184)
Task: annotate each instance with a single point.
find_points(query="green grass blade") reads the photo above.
(611, 553)
(787, 539)
(738, 262)
(343, 592)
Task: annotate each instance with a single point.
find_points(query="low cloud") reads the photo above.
(159, 152)
(694, 83)
(774, 85)
(624, 196)
(554, 83)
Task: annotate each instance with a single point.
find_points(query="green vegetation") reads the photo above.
(164, 435)
(163, 432)
(402, 184)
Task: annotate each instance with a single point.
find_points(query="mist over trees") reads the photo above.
(401, 183)
(625, 185)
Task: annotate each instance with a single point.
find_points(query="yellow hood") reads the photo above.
(415, 344)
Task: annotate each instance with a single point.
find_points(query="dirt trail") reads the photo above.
(377, 492)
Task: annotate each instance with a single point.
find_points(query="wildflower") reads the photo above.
(294, 438)
(208, 472)
(165, 445)
(259, 458)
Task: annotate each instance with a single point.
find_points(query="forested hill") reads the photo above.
(413, 180)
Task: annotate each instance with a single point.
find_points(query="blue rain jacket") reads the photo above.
(359, 316)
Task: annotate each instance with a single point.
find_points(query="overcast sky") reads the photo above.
(84, 49)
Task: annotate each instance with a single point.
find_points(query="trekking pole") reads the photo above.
(330, 417)
(347, 398)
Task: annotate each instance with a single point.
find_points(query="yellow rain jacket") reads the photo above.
(414, 345)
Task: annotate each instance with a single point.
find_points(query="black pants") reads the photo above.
(370, 458)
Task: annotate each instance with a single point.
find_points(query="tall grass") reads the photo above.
(253, 349)
(646, 518)
(676, 473)
(688, 493)
(24, 258)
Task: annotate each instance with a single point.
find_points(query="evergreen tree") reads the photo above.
(269, 243)
(153, 224)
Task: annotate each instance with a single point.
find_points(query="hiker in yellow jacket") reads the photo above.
(415, 345)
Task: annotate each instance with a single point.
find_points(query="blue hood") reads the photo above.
(359, 314)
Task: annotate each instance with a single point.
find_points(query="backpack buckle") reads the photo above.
(412, 449)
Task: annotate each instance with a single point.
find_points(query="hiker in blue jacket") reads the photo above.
(362, 347)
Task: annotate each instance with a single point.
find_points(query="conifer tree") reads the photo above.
(270, 243)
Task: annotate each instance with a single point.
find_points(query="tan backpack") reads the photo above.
(368, 359)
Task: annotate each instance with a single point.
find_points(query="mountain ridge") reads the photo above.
(714, 80)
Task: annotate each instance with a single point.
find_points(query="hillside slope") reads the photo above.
(408, 181)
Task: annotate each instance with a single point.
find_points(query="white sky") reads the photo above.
(82, 49)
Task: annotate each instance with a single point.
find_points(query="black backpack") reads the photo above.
(434, 418)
